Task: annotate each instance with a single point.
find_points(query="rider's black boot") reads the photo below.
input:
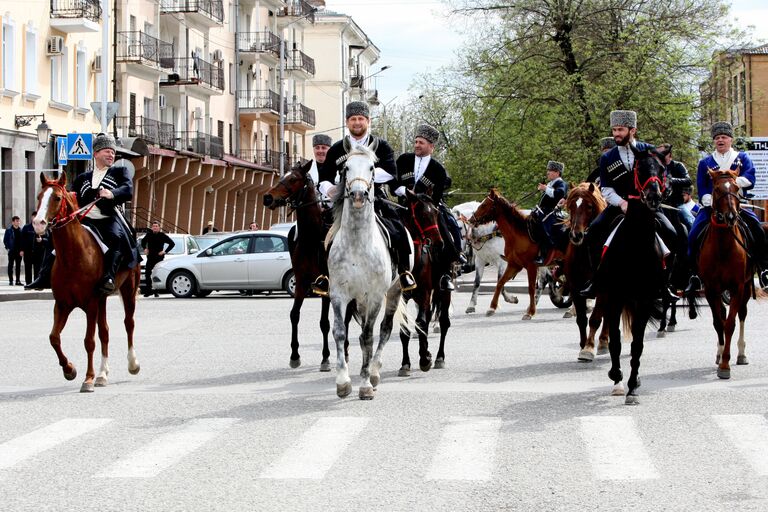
(44, 276)
(111, 264)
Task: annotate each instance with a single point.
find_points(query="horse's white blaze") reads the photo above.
(317, 450)
(727, 185)
(615, 448)
(749, 434)
(467, 449)
(42, 212)
(168, 449)
(579, 201)
(45, 438)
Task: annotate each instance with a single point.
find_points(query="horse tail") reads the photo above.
(401, 315)
(655, 313)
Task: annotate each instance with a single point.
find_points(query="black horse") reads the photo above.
(633, 271)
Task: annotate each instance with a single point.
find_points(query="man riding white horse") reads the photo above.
(358, 122)
(420, 173)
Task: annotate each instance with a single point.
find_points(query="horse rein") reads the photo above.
(641, 187)
(62, 218)
(425, 240)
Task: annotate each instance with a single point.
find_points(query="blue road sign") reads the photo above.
(79, 146)
(61, 150)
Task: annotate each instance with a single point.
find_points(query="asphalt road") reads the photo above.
(216, 420)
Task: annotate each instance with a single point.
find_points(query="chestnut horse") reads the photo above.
(519, 250)
(724, 265)
(421, 220)
(76, 272)
(584, 203)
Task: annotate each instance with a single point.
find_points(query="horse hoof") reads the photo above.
(325, 366)
(631, 400)
(490, 312)
(405, 371)
(87, 387)
(375, 380)
(692, 315)
(101, 382)
(724, 374)
(71, 375)
(602, 350)
(670, 328)
(366, 393)
(436, 329)
(568, 314)
(527, 316)
(470, 309)
(586, 356)
(742, 360)
(440, 364)
(343, 390)
(618, 389)
(134, 370)
(661, 334)
(295, 363)
(425, 367)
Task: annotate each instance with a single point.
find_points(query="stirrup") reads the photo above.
(694, 284)
(446, 283)
(407, 281)
(589, 291)
(320, 286)
(762, 279)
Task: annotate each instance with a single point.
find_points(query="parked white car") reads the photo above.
(249, 260)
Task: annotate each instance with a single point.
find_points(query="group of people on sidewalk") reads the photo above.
(23, 245)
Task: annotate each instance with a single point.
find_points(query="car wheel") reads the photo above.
(289, 283)
(203, 293)
(182, 284)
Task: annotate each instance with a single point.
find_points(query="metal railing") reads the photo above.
(259, 42)
(264, 157)
(200, 142)
(142, 219)
(299, 113)
(195, 69)
(139, 46)
(300, 8)
(301, 61)
(150, 130)
(259, 100)
(214, 9)
(90, 9)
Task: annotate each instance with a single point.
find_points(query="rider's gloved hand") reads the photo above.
(400, 191)
(743, 182)
(706, 200)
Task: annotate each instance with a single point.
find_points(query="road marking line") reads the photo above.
(45, 438)
(749, 434)
(317, 450)
(168, 449)
(616, 449)
(466, 450)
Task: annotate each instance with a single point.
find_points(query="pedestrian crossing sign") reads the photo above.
(61, 150)
(79, 146)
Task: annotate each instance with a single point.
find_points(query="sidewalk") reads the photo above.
(465, 282)
(8, 293)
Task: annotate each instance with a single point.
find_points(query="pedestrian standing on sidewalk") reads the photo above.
(32, 250)
(155, 244)
(12, 242)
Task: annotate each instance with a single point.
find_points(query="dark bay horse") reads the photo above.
(76, 272)
(421, 220)
(632, 271)
(519, 250)
(584, 203)
(308, 256)
(725, 265)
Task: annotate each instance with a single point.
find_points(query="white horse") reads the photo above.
(360, 271)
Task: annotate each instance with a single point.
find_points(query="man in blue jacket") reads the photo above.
(552, 192)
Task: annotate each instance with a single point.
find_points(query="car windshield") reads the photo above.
(179, 247)
(205, 241)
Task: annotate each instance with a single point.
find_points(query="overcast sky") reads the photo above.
(416, 36)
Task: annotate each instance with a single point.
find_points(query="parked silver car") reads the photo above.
(184, 244)
(249, 260)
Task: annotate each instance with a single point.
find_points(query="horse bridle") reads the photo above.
(424, 240)
(348, 185)
(718, 218)
(62, 218)
(641, 187)
(486, 218)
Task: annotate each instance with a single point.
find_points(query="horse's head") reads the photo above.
(650, 177)
(487, 211)
(584, 203)
(54, 203)
(725, 197)
(423, 218)
(358, 174)
(293, 187)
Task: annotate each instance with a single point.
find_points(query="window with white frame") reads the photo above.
(82, 77)
(30, 66)
(59, 78)
(9, 54)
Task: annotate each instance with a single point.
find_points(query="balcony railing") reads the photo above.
(141, 47)
(298, 113)
(299, 8)
(213, 9)
(150, 130)
(259, 42)
(265, 157)
(89, 9)
(200, 142)
(301, 61)
(195, 70)
(260, 100)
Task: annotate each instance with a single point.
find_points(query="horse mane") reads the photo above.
(70, 196)
(515, 216)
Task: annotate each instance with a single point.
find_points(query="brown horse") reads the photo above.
(519, 250)
(584, 203)
(76, 272)
(725, 265)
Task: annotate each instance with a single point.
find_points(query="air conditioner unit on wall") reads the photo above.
(96, 64)
(218, 56)
(198, 113)
(55, 45)
(161, 102)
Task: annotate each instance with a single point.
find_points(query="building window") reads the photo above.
(231, 78)
(231, 136)
(59, 78)
(30, 66)
(82, 78)
(9, 55)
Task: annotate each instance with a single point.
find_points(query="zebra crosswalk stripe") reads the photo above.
(45, 438)
(466, 450)
(615, 448)
(167, 449)
(326, 440)
(749, 434)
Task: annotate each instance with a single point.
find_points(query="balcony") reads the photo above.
(76, 15)
(201, 143)
(196, 72)
(209, 13)
(264, 157)
(264, 104)
(297, 9)
(265, 43)
(150, 130)
(302, 63)
(300, 115)
(141, 48)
